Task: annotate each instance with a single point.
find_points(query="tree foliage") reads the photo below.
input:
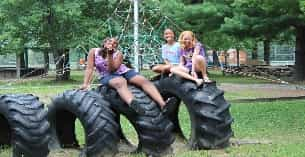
(268, 20)
(220, 24)
(53, 24)
(218, 21)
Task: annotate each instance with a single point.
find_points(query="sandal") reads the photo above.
(207, 80)
(199, 82)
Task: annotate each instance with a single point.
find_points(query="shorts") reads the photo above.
(127, 75)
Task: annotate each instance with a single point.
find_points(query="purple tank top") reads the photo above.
(101, 65)
(188, 54)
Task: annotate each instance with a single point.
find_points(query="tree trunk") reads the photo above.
(267, 51)
(237, 57)
(215, 58)
(226, 59)
(300, 54)
(196, 1)
(18, 66)
(61, 57)
(46, 61)
(254, 53)
(25, 59)
(21, 64)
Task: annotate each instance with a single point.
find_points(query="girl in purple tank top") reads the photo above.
(108, 62)
(192, 59)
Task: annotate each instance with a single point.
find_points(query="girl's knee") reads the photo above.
(141, 80)
(138, 80)
(173, 69)
(199, 58)
(118, 83)
(155, 68)
(145, 81)
(200, 61)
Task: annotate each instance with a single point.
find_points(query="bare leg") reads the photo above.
(184, 72)
(149, 88)
(200, 66)
(120, 84)
(162, 68)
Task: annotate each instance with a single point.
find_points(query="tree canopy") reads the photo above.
(219, 24)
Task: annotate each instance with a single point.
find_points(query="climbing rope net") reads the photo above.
(120, 25)
(151, 26)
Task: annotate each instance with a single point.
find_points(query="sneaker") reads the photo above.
(164, 109)
(169, 102)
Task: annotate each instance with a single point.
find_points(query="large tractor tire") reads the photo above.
(209, 111)
(153, 128)
(96, 117)
(172, 109)
(24, 125)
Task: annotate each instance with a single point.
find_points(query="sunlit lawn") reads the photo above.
(280, 123)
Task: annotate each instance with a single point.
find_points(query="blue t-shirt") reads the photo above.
(171, 53)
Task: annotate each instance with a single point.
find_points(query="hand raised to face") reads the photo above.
(108, 46)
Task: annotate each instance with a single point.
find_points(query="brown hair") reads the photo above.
(169, 29)
(116, 41)
(103, 51)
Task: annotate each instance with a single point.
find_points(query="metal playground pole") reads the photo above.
(136, 34)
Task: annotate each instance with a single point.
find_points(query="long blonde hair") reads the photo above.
(181, 42)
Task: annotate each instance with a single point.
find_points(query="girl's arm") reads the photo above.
(89, 70)
(163, 55)
(181, 63)
(114, 63)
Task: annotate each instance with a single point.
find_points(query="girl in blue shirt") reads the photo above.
(170, 53)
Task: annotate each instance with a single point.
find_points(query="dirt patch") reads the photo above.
(64, 153)
(265, 90)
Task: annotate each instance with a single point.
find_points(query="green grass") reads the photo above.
(45, 88)
(281, 122)
(218, 77)
(5, 151)
(281, 117)
(77, 78)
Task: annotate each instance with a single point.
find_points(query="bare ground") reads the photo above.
(265, 90)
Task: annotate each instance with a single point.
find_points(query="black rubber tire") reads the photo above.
(153, 129)
(173, 109)
(96, 117)
(209, 111)
(24, 125)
